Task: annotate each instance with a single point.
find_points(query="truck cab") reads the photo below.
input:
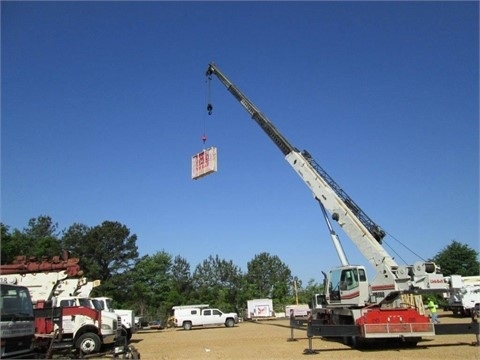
(89, 328)
(127, 317)
(347, 286)
(17, 326)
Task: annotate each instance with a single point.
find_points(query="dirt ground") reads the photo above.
(271, 340)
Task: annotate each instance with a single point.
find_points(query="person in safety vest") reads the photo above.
(433, 311)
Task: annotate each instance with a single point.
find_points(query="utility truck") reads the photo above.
(17, 325)
(465, 298)
(127, 316)
(354, 307)
(57, 287)
(188, 316)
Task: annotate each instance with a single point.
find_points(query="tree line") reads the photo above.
(152, 284)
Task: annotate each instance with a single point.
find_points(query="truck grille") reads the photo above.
(118, 325)
(18, 344)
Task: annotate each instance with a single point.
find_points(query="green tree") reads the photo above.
(152, 282)
(181, 288)
(75, 240)
(105, 251)
(216, 281)
(270, 278)
(305, 295)
(8, 245)
(39, 239)
(458, 259)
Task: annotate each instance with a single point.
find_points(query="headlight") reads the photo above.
(106, 327)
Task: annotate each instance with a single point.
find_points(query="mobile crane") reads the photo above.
(353, 307)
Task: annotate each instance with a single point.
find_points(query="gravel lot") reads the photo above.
(270, 340)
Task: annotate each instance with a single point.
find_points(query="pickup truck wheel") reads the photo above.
(187, 325)
(229, 323)
(88, 343)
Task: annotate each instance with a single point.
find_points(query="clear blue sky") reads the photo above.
(103, 105)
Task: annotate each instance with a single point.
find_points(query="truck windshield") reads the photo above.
(109, 304)
(15, 303)
(97, 304)
(86, 302)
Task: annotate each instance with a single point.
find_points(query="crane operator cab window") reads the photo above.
(349, 279)
(345, 279)
(334, 285)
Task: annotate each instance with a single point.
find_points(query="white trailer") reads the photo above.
(259, 308)
(299, 310)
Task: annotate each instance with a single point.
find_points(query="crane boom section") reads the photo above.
(371, 249)
(359, 227)
(267, 126)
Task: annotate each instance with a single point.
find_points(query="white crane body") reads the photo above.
(355, 307)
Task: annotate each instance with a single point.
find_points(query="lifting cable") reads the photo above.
(405, 246)
(208, 102)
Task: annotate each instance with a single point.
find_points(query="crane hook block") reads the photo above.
(204, 138)
(210, 109)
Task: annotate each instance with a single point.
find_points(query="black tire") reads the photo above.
(230, 323)
(128, 334)
(187, 325)
(350, 341)
(88, 343)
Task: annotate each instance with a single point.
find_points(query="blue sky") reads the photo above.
(103, 105)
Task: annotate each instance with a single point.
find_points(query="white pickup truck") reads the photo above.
(200, 315)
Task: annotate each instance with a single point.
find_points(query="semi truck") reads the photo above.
(354, 307)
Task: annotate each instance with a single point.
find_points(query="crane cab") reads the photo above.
(347, 286)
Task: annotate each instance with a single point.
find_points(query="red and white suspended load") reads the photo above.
(204, 163)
